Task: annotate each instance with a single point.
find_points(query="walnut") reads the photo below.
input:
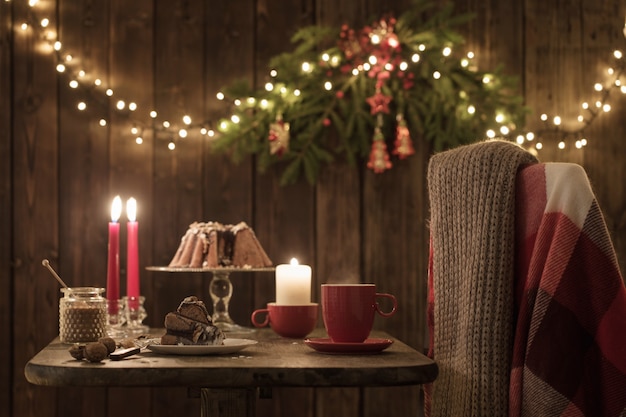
(77, 351)
(109, 343)
(96, 352)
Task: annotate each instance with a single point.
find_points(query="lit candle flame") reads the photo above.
(131, 209)
(116, 209)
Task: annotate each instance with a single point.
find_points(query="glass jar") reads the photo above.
(82, 315)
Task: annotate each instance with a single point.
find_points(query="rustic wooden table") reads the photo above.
(228, 383)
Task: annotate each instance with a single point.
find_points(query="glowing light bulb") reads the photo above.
(617, 54)
(97, 82)
(109, 92)
(264, 104)
(499, 118)
(470, 55)
(530, 136)
(251, 101)
(543, 117)
(580, 118)
(491, 134)
(138, 140)
(134, 130)
(578, 144)
(561, 145)
(421, 47)
(68, 58)
(556, 121)
(269, 86)
(325, 57)
(182, 133)
(606, 108)
(504, 130)
(220, 96)
(61, 68)
(306, 67)
(328, 86)
(471, 109)
(187, 120)
(102, 122)
(166, 124)
(82, 106)
(237, 102)
(486, 79)
(153, 114)
(372, 60)
(583, 142)
(223, 125)
(436, 75)
(73, 84)
(24, 26)
(539, 146)
(597, 87)
(296, 93)
(273, 73)
(171, 146)
(132, 106)
(585, 105)
(44, 23)
(375, 39)
(120, 104)
(446, 51)
(403, 66)
(57, 46)
(235, 119)
(519, 139)
(464, 63)
(355, 71)
(623, 89)
(415, 57)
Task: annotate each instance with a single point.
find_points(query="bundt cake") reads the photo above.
(214, 245)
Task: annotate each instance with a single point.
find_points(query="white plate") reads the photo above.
(229, 346)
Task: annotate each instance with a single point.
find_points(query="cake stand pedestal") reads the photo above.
(221, 290)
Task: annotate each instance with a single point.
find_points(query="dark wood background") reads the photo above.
(59, 171)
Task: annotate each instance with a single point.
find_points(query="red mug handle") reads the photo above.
(395, 305)
(257, 312)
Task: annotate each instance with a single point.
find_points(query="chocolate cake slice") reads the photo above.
(191, 324)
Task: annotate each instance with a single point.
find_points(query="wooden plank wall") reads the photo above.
(60, 169)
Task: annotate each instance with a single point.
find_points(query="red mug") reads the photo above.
(348, 310)
(293, 321)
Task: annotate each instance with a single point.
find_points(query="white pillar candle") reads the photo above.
(293, 284)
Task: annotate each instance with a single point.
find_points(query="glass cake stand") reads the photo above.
(221, 290)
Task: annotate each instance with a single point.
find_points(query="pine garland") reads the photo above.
(368, 93)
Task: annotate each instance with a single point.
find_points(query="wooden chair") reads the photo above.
(527, 307)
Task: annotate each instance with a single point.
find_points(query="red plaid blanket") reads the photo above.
(569, 354)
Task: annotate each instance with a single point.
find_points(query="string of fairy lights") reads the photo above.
(172, 131)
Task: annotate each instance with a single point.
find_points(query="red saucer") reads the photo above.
(326, 345)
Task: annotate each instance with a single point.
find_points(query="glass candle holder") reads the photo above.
(135, 314)
(116, 317)
(82, 315)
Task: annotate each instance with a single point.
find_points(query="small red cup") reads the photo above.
(294, 321)
(348, 310)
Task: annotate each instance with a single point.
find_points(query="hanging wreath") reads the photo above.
(368, 94)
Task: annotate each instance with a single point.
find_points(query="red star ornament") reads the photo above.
(379, 103)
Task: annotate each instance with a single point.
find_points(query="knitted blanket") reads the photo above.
(570, 343)
(471, 277)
